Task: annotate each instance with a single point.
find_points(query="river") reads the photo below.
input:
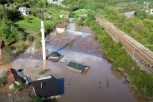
(99, 84)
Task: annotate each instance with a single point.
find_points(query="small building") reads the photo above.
(23, 10)
(61, 28)
(79, 68)
(65, 16)
(151, 11)
(54, 1)
(12, 78)
(55, 56)
(46, 87)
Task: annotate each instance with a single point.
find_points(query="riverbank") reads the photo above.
(138, 78)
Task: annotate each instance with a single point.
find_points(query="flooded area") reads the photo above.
(98, 84)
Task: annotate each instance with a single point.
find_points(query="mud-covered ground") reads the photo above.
(25, 95)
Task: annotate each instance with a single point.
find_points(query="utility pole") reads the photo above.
(43, 37)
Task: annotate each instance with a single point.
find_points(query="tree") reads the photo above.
(8, 31)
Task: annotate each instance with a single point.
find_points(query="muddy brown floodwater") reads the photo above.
(98, 84)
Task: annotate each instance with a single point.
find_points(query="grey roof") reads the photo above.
(77, 66)
(55, 54)
(49, 87)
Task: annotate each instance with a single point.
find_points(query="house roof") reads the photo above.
(55, 54)
(61, 26)
(49, 87)
(11, 71)
(12, 78)
(77, 66)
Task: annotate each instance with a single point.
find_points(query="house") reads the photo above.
(58, 2)
(151, 11)
(65, 16)
(55, 55)
(46, 87)
(79, 68)
(12, 78)
(61, 28)
(23, 10)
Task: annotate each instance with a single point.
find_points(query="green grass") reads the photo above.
(34, 26)
(76, 14)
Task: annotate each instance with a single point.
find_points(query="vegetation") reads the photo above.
(42, 72)
(140, 27)
(121, 60)
(7, 55)
(70, 44)
(20, 86)
(30, 38)
(1, 82)
(37, 42)
(37, 99)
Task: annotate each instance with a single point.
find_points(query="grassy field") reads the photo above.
(34, 26)
(76, 14)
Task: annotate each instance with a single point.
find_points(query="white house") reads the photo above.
(151, 11)
(58, 2)
(61, 28)
(23, 10)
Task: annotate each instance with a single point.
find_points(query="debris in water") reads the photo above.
(108, 84)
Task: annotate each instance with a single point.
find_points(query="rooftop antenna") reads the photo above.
(43, 37)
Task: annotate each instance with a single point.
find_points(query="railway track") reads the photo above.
(143, 54)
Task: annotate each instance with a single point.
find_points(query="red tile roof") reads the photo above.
(11, 71)
(61, 26)
(12, 76)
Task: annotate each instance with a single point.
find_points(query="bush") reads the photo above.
(70, 44)
(37, 42)
(7, 55)
(79, 23)
(23, 46)
(20, 86)
(37, 99)
(1, 82)
(28, 18)
(41, 72)
(30, 38)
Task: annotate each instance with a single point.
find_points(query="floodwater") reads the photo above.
(98, 84)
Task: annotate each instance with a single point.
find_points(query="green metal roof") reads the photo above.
(55, 54)
(77, 66)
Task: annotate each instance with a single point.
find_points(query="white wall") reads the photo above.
(151, 11)
(60, 30)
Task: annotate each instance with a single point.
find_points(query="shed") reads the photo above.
(79, 68)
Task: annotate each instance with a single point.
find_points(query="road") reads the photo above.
(143, 54)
